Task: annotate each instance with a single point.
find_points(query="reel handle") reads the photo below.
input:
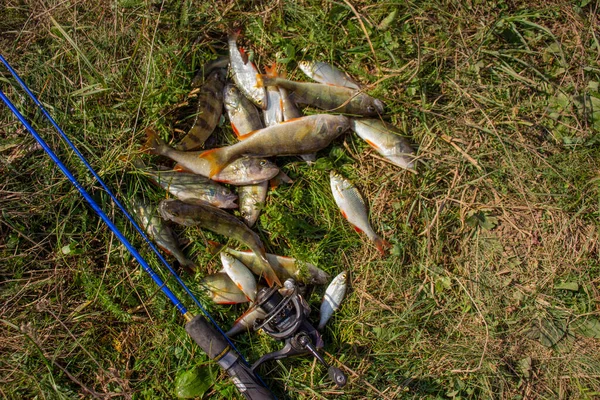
(219, 350)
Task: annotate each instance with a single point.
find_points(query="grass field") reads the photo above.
(492, 287)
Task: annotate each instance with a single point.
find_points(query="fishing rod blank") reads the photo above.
(218, 348)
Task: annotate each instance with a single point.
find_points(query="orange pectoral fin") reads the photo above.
(216, 165)
(180, 168)
(235, 130)
(344, 214)
(357, 229)
(373, 145)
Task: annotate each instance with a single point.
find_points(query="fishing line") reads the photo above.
(180, 307)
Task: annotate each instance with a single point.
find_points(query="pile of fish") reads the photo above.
(264, 115)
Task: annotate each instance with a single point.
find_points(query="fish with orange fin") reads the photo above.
(243, 115)
(354, 209)
(298, 136)
(240, 275)
(222, 290)
(199, 213)
(244, 72)
(243, 171)
(387, 140)
(323, 72)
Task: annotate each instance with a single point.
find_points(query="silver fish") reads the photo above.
(274, 111)
(186, 186)
(243, 115)
(157, 230)
(327, 73)
(222, 290)
(244, 73)
(240, 275)
(252, 197)
(354, 209)
(387, 140)
(334, 294)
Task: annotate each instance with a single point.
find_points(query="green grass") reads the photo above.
(491, 290)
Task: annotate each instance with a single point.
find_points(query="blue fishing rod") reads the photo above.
(213, 341)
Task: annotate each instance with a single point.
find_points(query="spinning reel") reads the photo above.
(287, 320)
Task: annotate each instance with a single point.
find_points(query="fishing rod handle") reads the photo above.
(219, 350)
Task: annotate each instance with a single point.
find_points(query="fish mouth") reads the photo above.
(379, 106)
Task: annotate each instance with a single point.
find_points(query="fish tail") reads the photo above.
(382, 245)
(270, 275)
(154, 144)
(217, 159)
(271, 71)
(265, 80)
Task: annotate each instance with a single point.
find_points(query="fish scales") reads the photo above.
(334, 294)
(240, 275)
(208, 112)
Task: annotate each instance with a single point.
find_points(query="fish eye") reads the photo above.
(339, 129)
(263, 163)
(370, 109)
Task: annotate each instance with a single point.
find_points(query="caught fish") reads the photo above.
(208, 112)
(244, 73)
(222, 290)
(290, 111)
(327, 73)
(354, 209)
(186, 186)
(334, 294)
(284, 267)
(327, 97)
(157, 230)
(273, 114)
(299, 136)
(244, 171)
(243, 115)
(387, 140)
(252, 197)
(220, 63)
(218, 221)
(240, 275)
(246, 321)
